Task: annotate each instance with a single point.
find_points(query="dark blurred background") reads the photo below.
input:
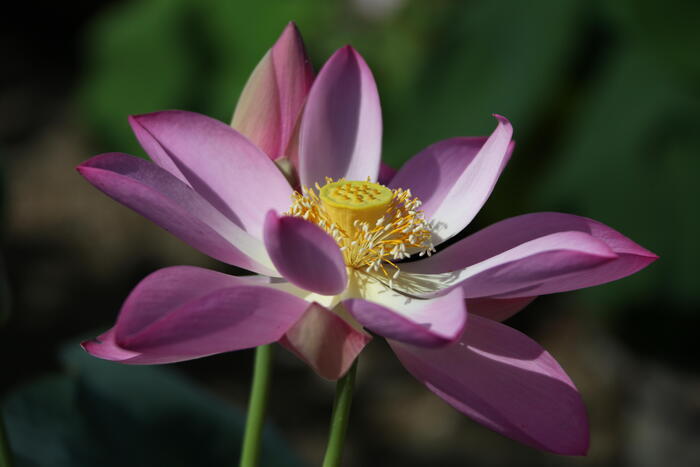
(605, 101)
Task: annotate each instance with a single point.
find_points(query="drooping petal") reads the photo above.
(504, 380)
(426, 323)
(341, 129)
(224, 167)
(180, 313)
(536, 254)
(164, 199)
(497, 309)
(454, 178)
(325, 341)
(304, 254)
(272, 99)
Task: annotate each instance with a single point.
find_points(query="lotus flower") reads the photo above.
(340, 254)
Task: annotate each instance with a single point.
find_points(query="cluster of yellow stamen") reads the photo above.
(373, 225)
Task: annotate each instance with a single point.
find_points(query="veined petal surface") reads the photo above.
(226, 169)
(325, 341)
(504, 380)
(164, 199)
(427, 323)
(180, 313)
(455, 177)
(304, 254)
(341, 129)
(271, 102)
(534, 254)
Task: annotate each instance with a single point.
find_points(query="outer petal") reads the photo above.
(426, 323)
(529, 269)
(489, 258)
(341, 130)
(497, 309)
(218, 162)
(304, 254)
(167, 201)
(453, 178)
(504, 380)
(182, 312)
(274, 95)
(325, 341)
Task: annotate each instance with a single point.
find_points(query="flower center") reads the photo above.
(372, 224)
(346, 202)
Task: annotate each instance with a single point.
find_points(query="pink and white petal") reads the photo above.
(305, 254)
(426, 323)
(325, 341)
(497, 309)
(500, 240)
(341, 129)
(386, 174)
(226, 169)
(181, 313)
(530, 268)
(272, 99)
(167, 201)
(455, 177)
(505, 381)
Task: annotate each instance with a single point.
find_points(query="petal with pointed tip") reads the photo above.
(181, 313)
(164, 199)
(504, 380)
(454, 178)
(304, 254)
(272, 99)
(531, 268)
(341, 129)
(556, 251)
(224, 167)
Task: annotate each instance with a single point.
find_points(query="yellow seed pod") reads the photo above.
(348, 201)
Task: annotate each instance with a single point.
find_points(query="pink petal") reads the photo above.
(497, 309)
(454, 178)
(304, 254)
(164, 199)
(182, 312)
(386, 173)
(504, 380)
(528, 269)
(537, 254)
(325, 341)
(341, 130)
(224, 167)
(425, 323)
(271, 102)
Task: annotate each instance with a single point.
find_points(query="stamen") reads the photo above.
(372, 224)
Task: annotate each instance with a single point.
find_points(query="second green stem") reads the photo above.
(250, 453)
(340, 417)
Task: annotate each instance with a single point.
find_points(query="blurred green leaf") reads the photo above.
(4, 287)
(139, 60)
(114, 415)
(629, 159)
(484, 62)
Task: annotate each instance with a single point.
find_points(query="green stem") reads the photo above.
(340, 417)
(250, 453)
(5, 456)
